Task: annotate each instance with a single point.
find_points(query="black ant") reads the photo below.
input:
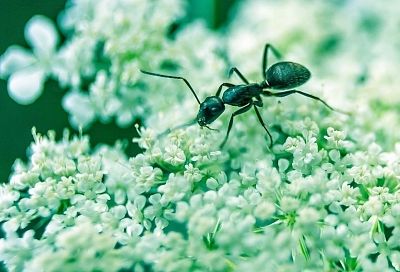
(280, 76)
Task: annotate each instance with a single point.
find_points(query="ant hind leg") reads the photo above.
(236, 70)
(265, 57)
(286, 93)
(223, 85)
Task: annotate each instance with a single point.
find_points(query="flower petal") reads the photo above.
(26, 85)
(41, 34)
(79, 106)
(14, 59)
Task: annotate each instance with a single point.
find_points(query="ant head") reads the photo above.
(210, 109)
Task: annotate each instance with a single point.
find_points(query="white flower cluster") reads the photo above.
(176, 206)
(105, 48)
(324, 197)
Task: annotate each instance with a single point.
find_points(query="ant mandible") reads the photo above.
(282, 75)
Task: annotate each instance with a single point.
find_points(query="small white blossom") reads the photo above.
(28, 71)
(174, 155)
(264, 210)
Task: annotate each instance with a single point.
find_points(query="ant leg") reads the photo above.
(286, 93)
(239, 111)
(235, 70)
(174, 77)
(264, 126)
(223, 85)
(258, 102)
(265, 57)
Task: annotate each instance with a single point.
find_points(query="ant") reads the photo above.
(282, 75)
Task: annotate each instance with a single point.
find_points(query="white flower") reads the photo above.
(18, 250)
(174, 189)
(28, 71)
(308, 216)
(174, 155)
(264, 210)
(192, 173)
(395, 259)
(289, 204)
(80, 108)
(373, 206)
(349, 194)
(336, 138)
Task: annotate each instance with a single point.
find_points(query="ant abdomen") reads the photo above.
(286, 75)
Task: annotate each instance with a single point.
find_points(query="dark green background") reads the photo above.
(46, 113)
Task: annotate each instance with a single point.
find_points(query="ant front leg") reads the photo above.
(223, 85)
(239, 111)
(286, 93)
(235, 70)
(265, 57)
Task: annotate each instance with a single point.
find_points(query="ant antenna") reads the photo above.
(187, 124)
(174, 77)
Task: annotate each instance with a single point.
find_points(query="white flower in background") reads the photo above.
(27, 71)
(99, 63)
(80, 108)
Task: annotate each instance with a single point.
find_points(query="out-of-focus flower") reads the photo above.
(100, 61)
(27, 70)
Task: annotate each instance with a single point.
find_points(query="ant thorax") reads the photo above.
(241, 95)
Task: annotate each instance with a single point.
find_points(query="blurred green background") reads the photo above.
(46, 113)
